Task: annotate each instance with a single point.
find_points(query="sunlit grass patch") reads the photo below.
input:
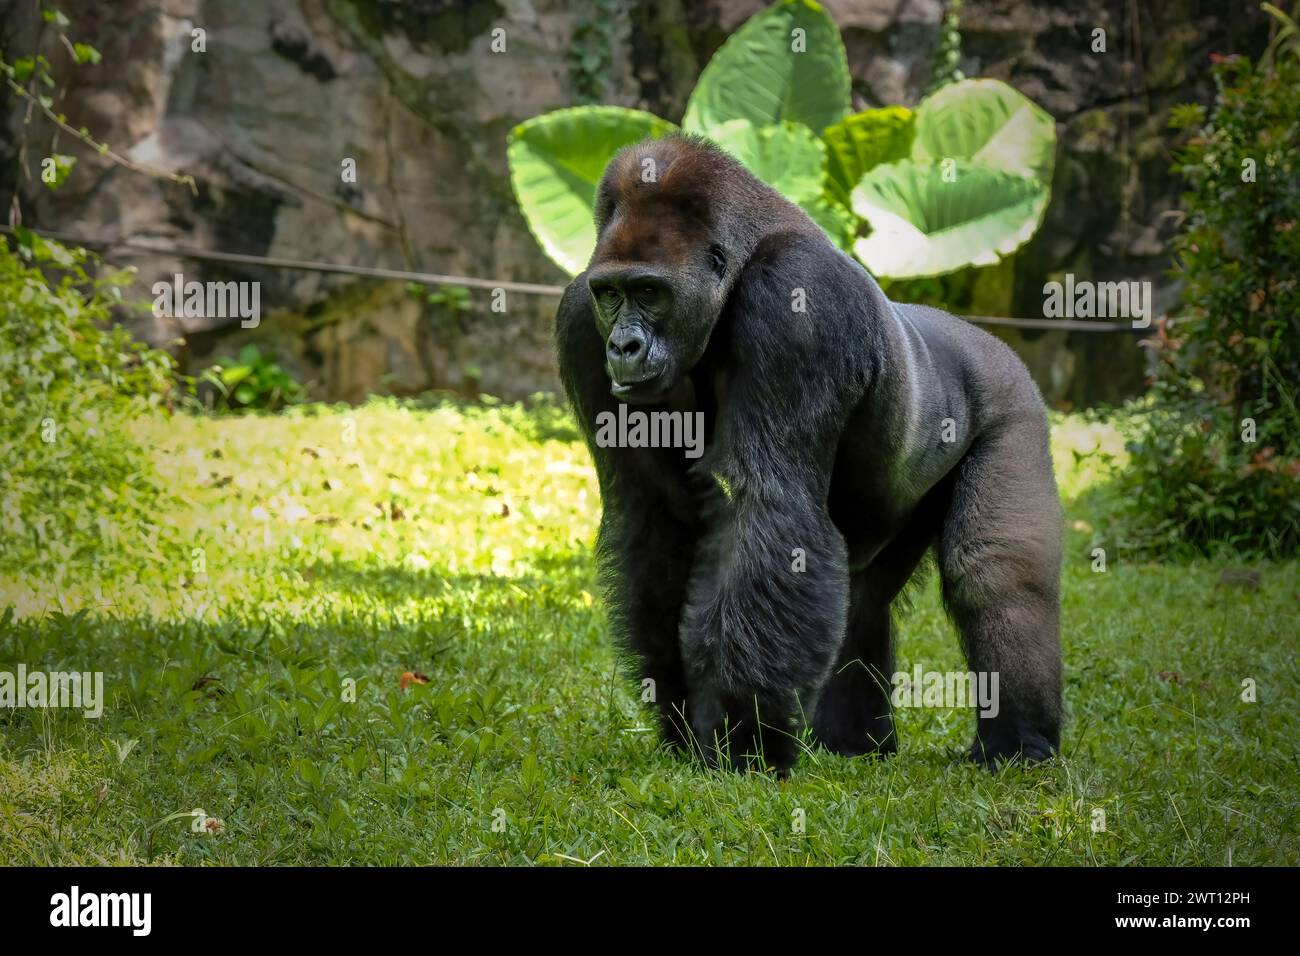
(312, 559)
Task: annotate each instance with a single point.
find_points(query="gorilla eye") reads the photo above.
(717, 260)
(648, 292)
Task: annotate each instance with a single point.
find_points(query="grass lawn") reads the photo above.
(253, 657)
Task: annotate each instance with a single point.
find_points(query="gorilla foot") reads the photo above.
(852, 721)
(1002, 747)
(739, 748)
(857, 743)
(744, 743)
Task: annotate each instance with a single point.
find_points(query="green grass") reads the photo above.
(456, 542)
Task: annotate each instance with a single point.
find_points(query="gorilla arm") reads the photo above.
(768, 597)
(647, 527)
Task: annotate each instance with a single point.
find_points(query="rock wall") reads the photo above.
(288, 89)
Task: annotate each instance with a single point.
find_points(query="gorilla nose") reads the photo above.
(626, 350)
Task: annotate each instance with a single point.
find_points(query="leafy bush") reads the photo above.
(73, 478)
(964, 180)
(946, 65)
(253, 380)
(1217, 459)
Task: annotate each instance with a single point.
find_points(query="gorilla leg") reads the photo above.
(1000, 559)
(754, 731)
(643, 559)
(759, 638)
(853, 711)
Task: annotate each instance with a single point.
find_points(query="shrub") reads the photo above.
(253, 380)
(72, 477)
(1216, 461)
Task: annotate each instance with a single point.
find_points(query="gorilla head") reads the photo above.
(666, 258)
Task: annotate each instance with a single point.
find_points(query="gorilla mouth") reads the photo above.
(643, 390)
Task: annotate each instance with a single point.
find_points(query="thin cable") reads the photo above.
(430, 278)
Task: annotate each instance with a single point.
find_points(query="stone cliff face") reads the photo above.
(287, 90)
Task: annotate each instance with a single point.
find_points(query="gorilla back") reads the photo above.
(844, 436)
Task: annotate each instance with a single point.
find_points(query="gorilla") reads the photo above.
(844, 436)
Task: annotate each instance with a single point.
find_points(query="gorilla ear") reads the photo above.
(717, 260)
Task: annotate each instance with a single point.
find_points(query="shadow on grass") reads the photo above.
(360, 619)
(549, 574)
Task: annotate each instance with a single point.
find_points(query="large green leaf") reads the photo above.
(924, 226)
(556, 161)
(859, 143)
(835, 219)
(788, 157)
(767, 72)
(989, 124)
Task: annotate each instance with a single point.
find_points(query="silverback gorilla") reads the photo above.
(844, 435)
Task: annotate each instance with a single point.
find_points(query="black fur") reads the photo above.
(825, 433)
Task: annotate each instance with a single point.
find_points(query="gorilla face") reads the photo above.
(655, 322)
(635, 308)
(658, 279)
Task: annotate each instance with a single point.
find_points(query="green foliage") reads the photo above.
(556, 161)
(921, 228)
(953, 248)
(835, 219)
(784, 63)
(60, 167)
(37, 70)
(598, 28)
(32, 80)
(85, 53)
(989, 124)
(1287, 38)
(776, 96)
(73, 391)
(787, 156)
(973, 190)
(1230, 362)
(455, 299)
(253, 381)
(945, 67)
(859, 143)
(791, 159)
